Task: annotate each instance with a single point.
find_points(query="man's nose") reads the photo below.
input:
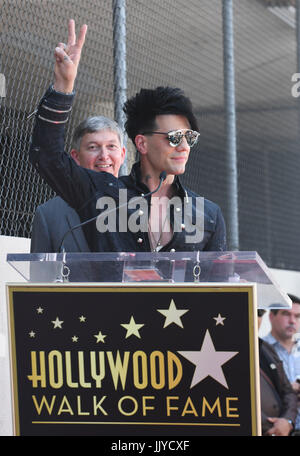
(103, 152)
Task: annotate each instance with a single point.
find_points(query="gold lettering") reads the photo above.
(97, 405)
(144, 370)
(98, 377)
(169, 408)
(43, 402)
(230, 409)
(55, 364)
(186, 411)
(211, 409)
(118, 368)
(68, 408)
(35, 377)
(161, 370)
(70, 382)
(79, 407)
(81, 371)
(135, 405)
(147, 407)
(173, 359)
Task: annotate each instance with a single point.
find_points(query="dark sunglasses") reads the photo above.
(175, 137)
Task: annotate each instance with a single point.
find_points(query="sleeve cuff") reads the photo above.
(55, 107)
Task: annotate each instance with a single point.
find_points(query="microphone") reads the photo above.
(162, 178)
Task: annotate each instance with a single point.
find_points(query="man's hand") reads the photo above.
(296, 388)
(281, 426)
(67, 57)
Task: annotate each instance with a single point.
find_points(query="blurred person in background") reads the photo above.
(285, 325)
(278, 400)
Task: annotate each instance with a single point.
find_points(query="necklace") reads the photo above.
(156, 243)
(161, 234)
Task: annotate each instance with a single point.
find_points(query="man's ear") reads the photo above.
(123, 154)
(75, 155)
(141, 144)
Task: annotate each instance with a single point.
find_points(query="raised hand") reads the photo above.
(67, 57)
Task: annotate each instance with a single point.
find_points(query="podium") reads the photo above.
(143, 344)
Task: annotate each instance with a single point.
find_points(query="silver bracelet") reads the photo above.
(53, 121)
(59, 111)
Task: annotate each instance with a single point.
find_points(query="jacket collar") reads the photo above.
(136, 176)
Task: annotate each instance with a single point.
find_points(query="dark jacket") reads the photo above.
(83, 189)
(52, 220)
(277, 396)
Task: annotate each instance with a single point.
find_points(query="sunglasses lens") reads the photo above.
(175, 138)
(191, 137)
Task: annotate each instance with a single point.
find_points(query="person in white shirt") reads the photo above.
(285, 324)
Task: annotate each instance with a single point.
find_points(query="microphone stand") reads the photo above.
(162, 177)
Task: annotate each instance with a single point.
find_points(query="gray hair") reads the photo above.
(94, 124)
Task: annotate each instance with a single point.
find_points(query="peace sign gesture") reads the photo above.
(67, 57)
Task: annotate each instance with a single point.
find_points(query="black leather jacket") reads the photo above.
(82, 188)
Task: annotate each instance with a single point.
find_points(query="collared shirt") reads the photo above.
(290, 360)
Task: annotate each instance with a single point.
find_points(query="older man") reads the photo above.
(98, 145)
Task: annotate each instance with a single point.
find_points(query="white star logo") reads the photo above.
(57, 323)
(219, 320)
(100, 337)
(132, 328)
(208, 362)
(173, 314)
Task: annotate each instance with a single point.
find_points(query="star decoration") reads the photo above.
(208, 362)
(173, 314)
(219, 320)
(132, 328)
(32, 334)
(82, 319)
(57, 323)
(74, 339)
(40, 310)
(100, 337)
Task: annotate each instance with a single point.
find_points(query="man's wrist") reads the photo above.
(61, 88)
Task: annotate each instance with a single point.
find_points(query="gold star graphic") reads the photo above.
(57, 323)
(172, 314)
(32, 334)
(82, 319)
(74, 339)
(100, 337)
(132, 328)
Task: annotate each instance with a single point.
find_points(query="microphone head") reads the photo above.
(163, 175)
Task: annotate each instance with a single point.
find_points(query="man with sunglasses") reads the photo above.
(162, 126)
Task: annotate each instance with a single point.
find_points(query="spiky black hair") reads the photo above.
(142, 109)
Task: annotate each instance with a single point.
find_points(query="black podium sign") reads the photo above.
(134, 360)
